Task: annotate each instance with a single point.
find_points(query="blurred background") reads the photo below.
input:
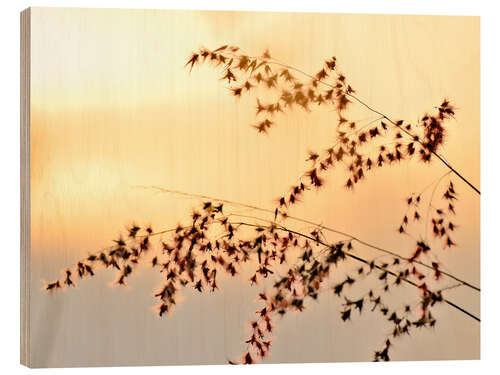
(113, 107)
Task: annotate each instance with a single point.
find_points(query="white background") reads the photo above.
(9, 177)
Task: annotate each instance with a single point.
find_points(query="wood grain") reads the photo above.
(107, 105)
(25, 186)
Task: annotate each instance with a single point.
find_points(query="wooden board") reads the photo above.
(117, 130)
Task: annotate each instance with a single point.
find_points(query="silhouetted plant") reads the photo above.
(329, 87)
(302, 264)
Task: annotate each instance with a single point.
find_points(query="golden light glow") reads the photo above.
(113, 107)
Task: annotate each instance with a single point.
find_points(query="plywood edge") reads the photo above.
(25, 60)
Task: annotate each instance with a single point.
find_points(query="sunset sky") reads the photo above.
(113, 108)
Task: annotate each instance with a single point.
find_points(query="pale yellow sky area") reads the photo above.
(113, 107)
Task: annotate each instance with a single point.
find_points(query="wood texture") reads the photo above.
(25, 186)
(107, 105)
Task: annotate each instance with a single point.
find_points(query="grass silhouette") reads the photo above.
(215, 240)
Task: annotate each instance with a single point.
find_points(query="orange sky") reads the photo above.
(113, 108)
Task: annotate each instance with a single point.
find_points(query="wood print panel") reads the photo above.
(122, 132)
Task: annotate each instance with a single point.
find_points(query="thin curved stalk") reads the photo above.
(362, 260)
(448, 165)
(349, 236)
(348, 254)
(384, 116)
